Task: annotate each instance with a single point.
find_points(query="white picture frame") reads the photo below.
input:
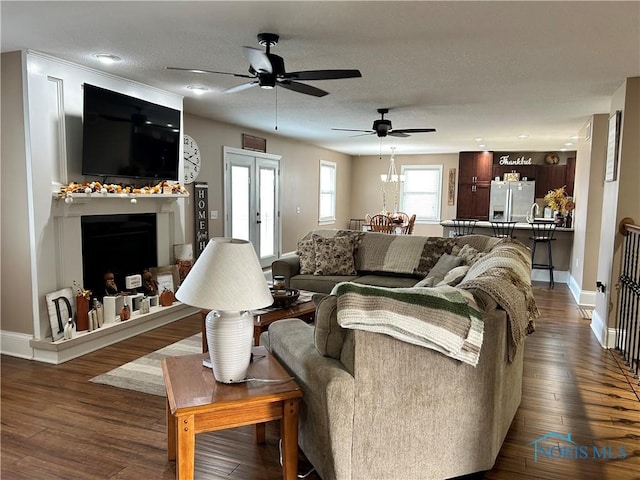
(61, 306)
(613, 144)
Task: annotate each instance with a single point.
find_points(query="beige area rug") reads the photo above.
(145, 373)
(586, 313)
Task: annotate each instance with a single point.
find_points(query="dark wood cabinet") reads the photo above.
(550, 177)
(473, 201)
(571, 175)
(475, 167)
(474, 184)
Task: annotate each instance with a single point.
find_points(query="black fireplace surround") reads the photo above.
(122, 244)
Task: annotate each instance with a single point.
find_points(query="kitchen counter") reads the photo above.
(482, 225)
(560, 248)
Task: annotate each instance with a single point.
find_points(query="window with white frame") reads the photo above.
(422, 192)
(327, 201)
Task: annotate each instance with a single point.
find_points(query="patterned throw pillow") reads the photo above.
(334, 256)
(469, 255)
(433, 250)
(307, 255)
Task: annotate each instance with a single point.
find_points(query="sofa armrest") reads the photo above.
(287, 267)
(326, 413)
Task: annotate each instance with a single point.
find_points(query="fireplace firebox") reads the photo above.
(124, 244)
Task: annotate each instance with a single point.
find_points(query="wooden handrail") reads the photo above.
(627, 226)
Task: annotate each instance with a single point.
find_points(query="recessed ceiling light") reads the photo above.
(568, 144)
(197, 89)
(106, 58)
(478, 139)
(482, 145)
(575, 137)
(523, 135)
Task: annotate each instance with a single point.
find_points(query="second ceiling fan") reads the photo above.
(267, 71)
(382, 127)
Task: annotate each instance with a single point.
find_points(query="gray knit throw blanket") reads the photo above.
(443, 319)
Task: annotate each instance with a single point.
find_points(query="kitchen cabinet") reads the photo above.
(473, 201)
(475, 167)
(474, 182)
(550, 177)
(571, 175)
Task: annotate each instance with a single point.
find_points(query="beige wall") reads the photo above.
(16, 289)
(366, 195)
(591, 155)
(300, 170)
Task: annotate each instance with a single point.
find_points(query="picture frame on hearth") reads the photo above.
(168, 277)
(61, 306)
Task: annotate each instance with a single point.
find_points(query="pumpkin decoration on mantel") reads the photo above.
(551, 159)
(167, 298)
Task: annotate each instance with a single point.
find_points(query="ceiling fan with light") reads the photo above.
(382, 127)
(267, 70)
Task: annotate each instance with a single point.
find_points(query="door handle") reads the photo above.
(258, 219)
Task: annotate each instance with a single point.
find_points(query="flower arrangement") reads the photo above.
(557, 199)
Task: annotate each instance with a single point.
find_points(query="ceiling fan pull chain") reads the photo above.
(276, 109)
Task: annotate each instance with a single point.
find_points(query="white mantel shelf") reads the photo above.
(114, 203)
(48, 351)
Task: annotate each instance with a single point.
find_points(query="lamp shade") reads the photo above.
(226, 277)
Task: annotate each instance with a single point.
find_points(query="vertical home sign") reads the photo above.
(201, 220)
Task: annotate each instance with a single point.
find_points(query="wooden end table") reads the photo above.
(305, 311)
(196, 403)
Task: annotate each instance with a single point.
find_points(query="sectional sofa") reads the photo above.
(409, 382)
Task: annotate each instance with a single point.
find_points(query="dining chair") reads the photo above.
(381, 223)
(408, 228)
(463, 226)
(356, 223)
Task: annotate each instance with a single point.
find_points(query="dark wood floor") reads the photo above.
(57, 425)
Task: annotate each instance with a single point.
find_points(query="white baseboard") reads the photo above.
(585, 298)
(606, 336)
(16, 344)
(540, 275)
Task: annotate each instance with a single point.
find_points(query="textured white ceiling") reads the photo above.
(469, 69)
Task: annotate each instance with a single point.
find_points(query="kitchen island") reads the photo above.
(560, 248)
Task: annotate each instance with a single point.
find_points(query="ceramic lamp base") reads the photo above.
(229, 337)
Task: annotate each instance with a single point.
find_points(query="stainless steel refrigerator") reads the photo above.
(511, 201)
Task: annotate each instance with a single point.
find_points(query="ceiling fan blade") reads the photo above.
(258, 59)
(398, 134)
(352, 130)
(200, 70)
(241, 87)
(323, 74)
(302, 88)
(414, 130)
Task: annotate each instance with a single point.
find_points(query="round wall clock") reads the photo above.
(192, 159)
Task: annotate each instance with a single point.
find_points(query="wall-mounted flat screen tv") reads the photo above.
(126, 137)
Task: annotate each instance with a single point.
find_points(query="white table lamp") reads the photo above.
(228, 280)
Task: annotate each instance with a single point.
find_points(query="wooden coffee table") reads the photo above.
(304, 311)
(196, 403)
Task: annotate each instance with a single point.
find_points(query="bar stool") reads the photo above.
(503, 229)
(543, 233)
(463, 226)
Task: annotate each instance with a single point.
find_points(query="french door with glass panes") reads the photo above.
(251, 206)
